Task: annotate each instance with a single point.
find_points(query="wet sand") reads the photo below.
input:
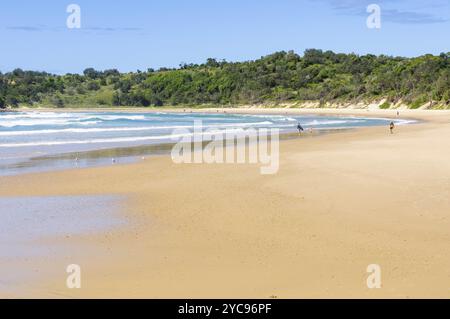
(35, 230)
(339, 202)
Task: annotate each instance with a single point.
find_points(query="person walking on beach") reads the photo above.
(392, 127)
(300, 128)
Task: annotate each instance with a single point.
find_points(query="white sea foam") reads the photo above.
(111, 140)
(123, 129)
(48, 119)
(57, 127)
(114, 117)
(37, 115)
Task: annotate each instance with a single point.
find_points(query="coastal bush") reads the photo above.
(418, 102)
(104, 97)
(57, 101)
(385, 105)
(283, 77)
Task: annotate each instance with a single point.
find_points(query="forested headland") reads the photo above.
(283, 77)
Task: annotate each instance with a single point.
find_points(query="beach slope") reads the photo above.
(339, 203)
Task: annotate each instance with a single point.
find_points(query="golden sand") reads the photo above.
(339, 202)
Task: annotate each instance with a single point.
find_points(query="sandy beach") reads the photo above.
(340, 202)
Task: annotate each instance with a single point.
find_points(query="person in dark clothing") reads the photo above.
(392, 127)
(300, 128)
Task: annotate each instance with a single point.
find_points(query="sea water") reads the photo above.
(27, 136)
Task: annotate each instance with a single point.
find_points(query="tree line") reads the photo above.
(319, 76)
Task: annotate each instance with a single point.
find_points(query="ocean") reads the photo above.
(35, 141)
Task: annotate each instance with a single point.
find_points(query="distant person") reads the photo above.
(392, 127)
(300, 128)
(398, 113)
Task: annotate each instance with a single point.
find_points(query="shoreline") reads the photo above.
(370, 112)
(131, 153)
(278, 237)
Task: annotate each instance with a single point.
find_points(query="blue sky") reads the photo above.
(137, 34)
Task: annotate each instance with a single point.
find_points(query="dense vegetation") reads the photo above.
(277, 78)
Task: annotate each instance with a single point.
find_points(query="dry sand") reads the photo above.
(340, 202)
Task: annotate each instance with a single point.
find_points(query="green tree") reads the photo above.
(320, 76)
